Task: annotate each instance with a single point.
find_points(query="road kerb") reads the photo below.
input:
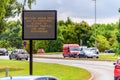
(92, 76)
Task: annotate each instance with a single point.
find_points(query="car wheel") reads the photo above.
(79, 56)
(17, 58)
(10, 58)
(115, 78)
(64, 56)
(26, 58)
(97, 57)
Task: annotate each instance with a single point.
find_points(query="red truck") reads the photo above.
(71, 50)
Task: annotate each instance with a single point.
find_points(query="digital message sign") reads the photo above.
(39, 24)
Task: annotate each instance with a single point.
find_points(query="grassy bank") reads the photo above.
(62, 72)
(110, 57)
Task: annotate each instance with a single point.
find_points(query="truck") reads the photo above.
(71, 50)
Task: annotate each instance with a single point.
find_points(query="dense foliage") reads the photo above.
(67, 32)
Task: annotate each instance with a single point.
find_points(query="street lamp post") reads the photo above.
(95, 24)
(119, 21)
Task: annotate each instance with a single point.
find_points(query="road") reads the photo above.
(101, 70)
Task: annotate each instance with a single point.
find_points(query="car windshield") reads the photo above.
(22, 51)
(74, 49)
(86, 49)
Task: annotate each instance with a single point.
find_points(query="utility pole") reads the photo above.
(95, 25)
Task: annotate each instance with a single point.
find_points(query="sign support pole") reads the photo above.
(31, 59)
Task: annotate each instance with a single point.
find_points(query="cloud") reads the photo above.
(106, 10)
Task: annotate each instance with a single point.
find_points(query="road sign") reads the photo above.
(24, 43)
(39, 24)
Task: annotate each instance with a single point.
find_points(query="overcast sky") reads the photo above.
(78, 10)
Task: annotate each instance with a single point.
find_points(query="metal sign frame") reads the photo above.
(43, 21)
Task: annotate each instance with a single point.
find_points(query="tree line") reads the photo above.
(68, 32)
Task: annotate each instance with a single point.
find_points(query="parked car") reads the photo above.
(109, 51)
(71, 50)
(3, 51)
(18, 54)
(117, 70)
(95, 50)
(88, 53)
(82, 54)
(29, 78)
(40, 51)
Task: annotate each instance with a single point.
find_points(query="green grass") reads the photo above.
(62, 72)
(110, 57)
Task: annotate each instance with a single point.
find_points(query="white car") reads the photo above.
(94, 49)
(29, 78)
(90, 53)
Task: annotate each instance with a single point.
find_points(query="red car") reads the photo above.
(117, 70)
(40, 51)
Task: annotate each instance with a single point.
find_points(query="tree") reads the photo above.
(13, 34)
(83, 32)
(11, 8)
(103, 44)
(69, 21)
(61, 23)
(29, 3)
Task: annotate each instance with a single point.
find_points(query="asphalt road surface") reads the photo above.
(101, 70)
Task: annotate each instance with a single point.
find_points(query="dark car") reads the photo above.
(29, 78)
(109, 51)
(117, 70)
(18, 54)
(3, 51)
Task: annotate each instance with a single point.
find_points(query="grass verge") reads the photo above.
(62, 72)
(109, 57)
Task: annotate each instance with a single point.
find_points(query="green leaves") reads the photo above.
(3, 4)
(11, 8)
(119, 10)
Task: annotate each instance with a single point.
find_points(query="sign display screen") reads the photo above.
(39, 24)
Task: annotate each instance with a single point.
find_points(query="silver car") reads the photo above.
(29, 78)
(18, 54)
(3, 51)
(94, 50)
(90, 53)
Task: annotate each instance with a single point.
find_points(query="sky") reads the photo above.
(82, 10)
